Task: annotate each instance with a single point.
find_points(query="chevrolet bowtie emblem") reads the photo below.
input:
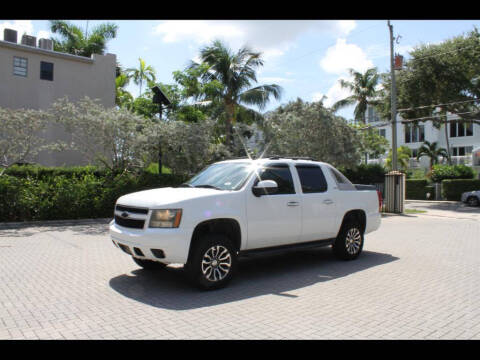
(124, 214)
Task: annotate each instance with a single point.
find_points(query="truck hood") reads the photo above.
(161, 197)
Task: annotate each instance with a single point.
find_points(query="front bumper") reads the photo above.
(174, 243)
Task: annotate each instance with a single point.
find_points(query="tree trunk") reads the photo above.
(449, 159)
(228, 124)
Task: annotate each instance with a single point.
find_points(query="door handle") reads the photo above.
(293, 203)
(328, 201)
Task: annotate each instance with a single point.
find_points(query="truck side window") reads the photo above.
(342, 182)
(279, 173)
(311, 178)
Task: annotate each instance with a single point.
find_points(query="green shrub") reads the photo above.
(444, 172)
(416, 174)
(453, 189)
(26, 197)
(365, 174)
(43, 172)
(416, 189)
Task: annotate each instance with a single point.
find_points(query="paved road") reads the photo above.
(418, 278)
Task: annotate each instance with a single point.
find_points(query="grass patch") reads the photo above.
(414, 211)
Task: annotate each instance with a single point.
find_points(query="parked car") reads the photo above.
(244, 207)
(471, 198)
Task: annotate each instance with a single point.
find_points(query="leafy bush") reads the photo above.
(26, 198)
(365, 174)
(43, 172)
(417, 189)
(417, 174)
(453, 189)
(444, 172)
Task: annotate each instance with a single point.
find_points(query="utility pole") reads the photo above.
(393, 92)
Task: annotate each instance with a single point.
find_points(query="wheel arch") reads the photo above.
(227, 226)
(357, 215)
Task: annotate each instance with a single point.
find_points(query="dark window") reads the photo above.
(469, 129)
(20, 66)
(421, 135)
(461, 129)
(46, 70)
(383, 132)
(407, 133)
(453, 129)
(280, 173)
(311, 178)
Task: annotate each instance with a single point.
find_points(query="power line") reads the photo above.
(447, 52)
(427, 106)
(438, 116)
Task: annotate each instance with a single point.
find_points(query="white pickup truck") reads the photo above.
(242, 207)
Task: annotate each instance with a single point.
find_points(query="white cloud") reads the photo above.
(23, 27)
(273, 79)
(272, 37)
(343, 56)
(334, 94)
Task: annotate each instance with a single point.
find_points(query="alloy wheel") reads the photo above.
(216, 263)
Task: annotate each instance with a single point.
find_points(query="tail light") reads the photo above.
(380, 201)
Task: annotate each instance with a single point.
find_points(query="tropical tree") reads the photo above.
(122, 97)
(363, 89)
(404, 153)
(430, 150)
(144, 73)
(74, 40)
(309, 129)
(230, 76)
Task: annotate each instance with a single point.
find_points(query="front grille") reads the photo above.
(131, 209)
(138, 251)
(130, 223)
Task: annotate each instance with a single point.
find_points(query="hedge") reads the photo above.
(443, 172)
(44, 172)
(365, 174)
(24, 198)
(417, 189)
(453, 189)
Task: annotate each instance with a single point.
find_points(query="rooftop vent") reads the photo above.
(29, 40)
(45, 44)
(10, 35)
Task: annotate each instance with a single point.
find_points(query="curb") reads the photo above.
(45, 223)
(434, 201)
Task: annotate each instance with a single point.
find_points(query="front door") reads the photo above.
(274, 219)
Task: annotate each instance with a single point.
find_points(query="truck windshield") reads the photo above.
(223, 176)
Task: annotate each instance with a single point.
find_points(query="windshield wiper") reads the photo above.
(207, 186)
(185, 185)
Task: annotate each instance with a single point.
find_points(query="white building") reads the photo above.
(463, 139)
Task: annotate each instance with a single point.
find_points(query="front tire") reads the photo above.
(473, 201)
(149, 264)
(212, 263)
(349, 243)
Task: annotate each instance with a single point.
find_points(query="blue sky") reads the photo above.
(307, 58)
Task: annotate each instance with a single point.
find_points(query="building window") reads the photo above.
(414, 133)
(414, 153)
(20, 66)
(382, 132)
(46, 70)
(462, 150)
(459, 129)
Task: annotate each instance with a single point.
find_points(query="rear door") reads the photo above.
(274, 219)
(319, 208)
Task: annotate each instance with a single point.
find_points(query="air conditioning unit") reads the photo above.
(29, 40)
(10, 35)
(45, 44)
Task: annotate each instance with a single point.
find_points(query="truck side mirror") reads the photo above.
(265, 187)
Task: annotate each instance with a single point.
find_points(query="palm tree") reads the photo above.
(122, 96)
(75, 41)
(143, 73)
(431, 150)
(231, 76)
(363, 92)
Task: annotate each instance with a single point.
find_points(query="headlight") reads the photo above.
(165, 218)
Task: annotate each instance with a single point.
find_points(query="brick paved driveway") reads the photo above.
(417, 278)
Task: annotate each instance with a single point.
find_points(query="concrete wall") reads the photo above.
(73, 76)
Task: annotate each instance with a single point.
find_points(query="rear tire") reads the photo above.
(149, 264)
(212, 263)
(349, 243)
(473, 201)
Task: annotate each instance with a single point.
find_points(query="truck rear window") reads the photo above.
(311, 179)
